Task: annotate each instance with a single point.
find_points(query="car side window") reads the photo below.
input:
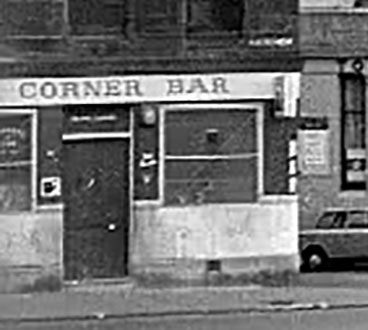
(356, 220)
(327, 220)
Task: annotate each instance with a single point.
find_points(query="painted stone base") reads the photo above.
(200, 271)
(29, 279)
(30, 250)
(187, 243)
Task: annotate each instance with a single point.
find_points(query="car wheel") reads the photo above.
(314, 260)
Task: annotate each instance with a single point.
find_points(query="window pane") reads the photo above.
(15, 189)
(354, 94)
(33, 18)
(354, 130)
(15, 138)
(357, 220)
(159, 16)
(273, 24)
(189, 132)
(215, 15)
(97, 16)
(330, 220)
(15, 162)
(220, 181)
(271, 19)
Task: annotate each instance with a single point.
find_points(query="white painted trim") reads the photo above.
(335, 231)
(161, 135)
(16, 164)
(213, 106)
(34, 37)
(352, 194)
(96, 135)
(131, 220)
(278, 199)
(260, 145)
(7, 111)
(50, 207)
(147, 202)
(34, 185)
(332, 10)
(212, 157)
(292, 166)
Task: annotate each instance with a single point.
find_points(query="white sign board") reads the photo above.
(143, 88)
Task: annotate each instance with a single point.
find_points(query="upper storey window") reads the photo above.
(97, 17)
(31, 19)
(262, 22)
(208, 16)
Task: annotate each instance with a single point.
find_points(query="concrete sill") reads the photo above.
(276, 199)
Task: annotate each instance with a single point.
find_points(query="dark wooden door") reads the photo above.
(96, 214)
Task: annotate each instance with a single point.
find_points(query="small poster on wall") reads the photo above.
(313, 151)
(50, 187)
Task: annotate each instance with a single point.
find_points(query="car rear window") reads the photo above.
(357, 219)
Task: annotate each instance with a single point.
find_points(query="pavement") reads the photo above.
(129, 300)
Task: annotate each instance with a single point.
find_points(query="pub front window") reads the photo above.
(15, 162)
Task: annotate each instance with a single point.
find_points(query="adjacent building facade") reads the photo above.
(333, 96)
(158, 138)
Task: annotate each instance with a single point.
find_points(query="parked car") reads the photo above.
(339, 235)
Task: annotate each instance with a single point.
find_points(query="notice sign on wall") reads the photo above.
(50, 187)
(313, 151)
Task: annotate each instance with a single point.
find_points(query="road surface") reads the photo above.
(350, 319)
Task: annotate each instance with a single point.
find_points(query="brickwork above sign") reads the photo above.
(337, 34)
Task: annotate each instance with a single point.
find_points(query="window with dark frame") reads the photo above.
(36, 18)
(261, 23)
(353, 160)
(271, 22)
(97, 17)
(210, 156)
(158, 16)
(209, 16)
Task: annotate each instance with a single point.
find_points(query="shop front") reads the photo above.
(107, 177)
